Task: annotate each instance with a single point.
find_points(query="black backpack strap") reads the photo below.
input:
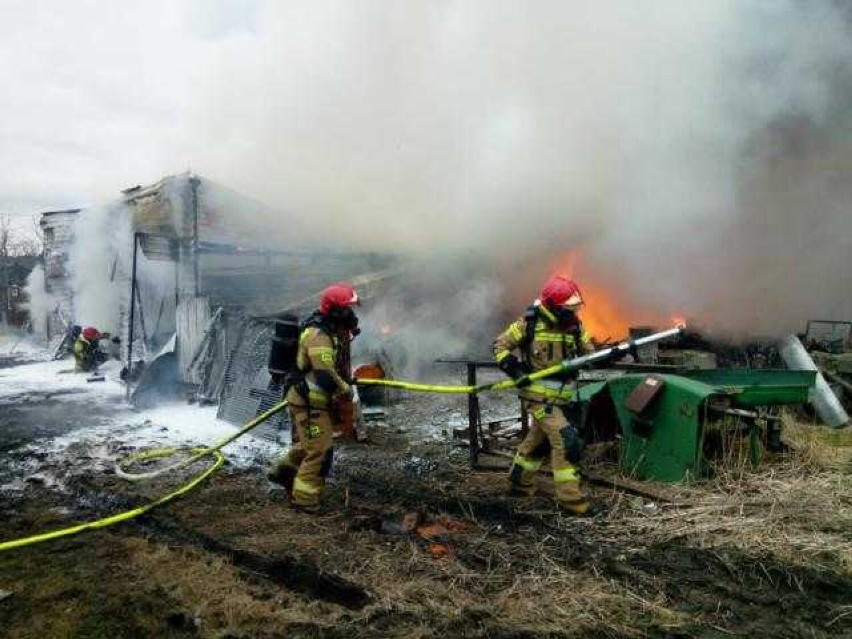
(577, 333)
(530, 319)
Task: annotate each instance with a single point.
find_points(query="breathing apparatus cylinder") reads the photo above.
(284, 349)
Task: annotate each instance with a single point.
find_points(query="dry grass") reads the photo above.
(533, 571)
(526, 587)
(797, 506)
(817, 447)
(796, 510)
(217, 598)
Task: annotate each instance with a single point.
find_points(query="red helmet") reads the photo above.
(90, 334)
(337, 296)
(559, 290)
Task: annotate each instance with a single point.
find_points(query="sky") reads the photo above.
(692, 152)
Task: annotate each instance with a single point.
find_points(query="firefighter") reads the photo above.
(302, 471)
(548, 333)
(87, 354)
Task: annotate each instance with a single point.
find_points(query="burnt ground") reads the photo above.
(766, 555)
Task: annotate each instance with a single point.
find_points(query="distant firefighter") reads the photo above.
(317, 383)
(548, 333)
(87, 353)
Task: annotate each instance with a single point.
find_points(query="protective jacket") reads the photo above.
(85, 354)
(542, 343)
(317, 361)
(304, 467)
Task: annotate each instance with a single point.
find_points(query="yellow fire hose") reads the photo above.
(506, 384)
(195, 455)
(219, 459)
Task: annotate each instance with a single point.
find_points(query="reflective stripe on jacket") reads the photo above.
(550, 345)
(317, 352)
(84, 354)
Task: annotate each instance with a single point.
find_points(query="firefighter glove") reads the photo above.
(634, 351)
(523, 381)
(514, 369)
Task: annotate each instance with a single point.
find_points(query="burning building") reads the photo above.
(179, 269)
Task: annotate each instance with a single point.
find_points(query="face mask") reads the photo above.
(345, 320)
(566, 318)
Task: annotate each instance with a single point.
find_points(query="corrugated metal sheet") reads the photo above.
(246, 391)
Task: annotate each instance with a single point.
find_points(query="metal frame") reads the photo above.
(847, 340)
(476, 438)
(135, 296)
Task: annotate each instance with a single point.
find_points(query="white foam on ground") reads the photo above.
(172, 425)
(51, 376)
(125, 429)
(188, 425)
(21, 346)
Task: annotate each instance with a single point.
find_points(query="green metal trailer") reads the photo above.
(664, 419)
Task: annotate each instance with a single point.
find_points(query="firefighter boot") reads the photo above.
(283, 474)
(522, 477)
(566, 478)
(310, 509)
(569, 496)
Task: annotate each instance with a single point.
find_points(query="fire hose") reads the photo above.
(565, 366)
(196, 454)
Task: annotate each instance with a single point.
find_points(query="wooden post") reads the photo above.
(473, 416)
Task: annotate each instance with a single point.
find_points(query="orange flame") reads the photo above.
(385, 329)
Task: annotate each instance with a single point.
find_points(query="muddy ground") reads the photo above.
(768, 554)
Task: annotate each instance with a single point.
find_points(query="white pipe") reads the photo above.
(623, 348)
(821, 397)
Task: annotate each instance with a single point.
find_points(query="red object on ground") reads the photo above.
(372, 370)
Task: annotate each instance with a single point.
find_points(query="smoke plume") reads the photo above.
(692, 152)
(688, 157)
(40, 303)
(98, 256)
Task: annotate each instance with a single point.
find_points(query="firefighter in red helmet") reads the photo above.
(302, 471)
(548, 333)
(87, 354)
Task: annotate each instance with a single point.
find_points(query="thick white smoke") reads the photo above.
(40, 303)
(639, 132)
(693, 150)
(436, 309)
(97, 261)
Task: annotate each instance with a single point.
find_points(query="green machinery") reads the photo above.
(665, 421)
(672, 423)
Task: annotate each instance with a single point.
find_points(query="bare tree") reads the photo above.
(5, 240)
(13, 245)
(37, 235)
(5, 232)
